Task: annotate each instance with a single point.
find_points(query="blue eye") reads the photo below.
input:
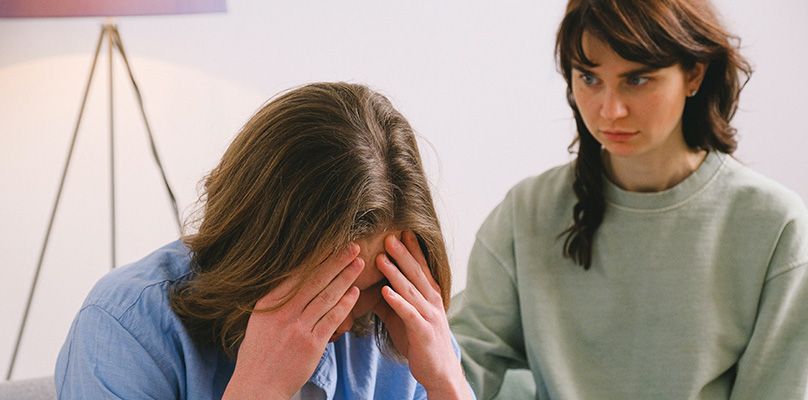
(637, 80)
(588, 79)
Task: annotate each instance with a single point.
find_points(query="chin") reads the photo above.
(621, 150)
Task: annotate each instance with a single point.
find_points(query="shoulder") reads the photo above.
(540, 197)
(141, 287)
(126, 324)
(766, 208)
(755, 193)
(536, 209)
(549, 184)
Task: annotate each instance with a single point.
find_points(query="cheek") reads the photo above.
(661, 112)
(585, 102)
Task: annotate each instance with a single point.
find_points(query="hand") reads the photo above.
(416, 319)
(282, 347)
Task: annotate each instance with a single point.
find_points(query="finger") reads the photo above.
(408, 314)
(401, 284)
(325, 273)
(394, 325)
(411, 242)
(329, 323)
(280, 293)
(333, 293)
(408, 265)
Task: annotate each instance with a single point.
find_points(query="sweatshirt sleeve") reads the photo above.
(774, 364)
(102, 360)
(486, 319)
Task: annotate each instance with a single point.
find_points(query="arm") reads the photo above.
(101, 359)
(486, 318)
(775, 362)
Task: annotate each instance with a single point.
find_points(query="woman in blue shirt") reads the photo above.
(317, 261)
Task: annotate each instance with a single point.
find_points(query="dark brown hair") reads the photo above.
(659, 33)
(315, 168)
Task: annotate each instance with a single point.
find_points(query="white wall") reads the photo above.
(476, 80)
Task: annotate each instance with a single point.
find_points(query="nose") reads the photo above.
(613, 106)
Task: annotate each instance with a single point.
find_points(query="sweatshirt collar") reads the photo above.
(669, 198)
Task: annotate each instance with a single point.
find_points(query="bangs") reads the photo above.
(626, 27)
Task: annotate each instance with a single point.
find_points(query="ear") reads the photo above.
(694, 78)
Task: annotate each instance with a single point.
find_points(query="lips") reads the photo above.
(618, 135)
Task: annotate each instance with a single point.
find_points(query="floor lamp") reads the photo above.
(110, 35)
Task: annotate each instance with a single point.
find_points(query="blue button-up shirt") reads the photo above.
(127, 343)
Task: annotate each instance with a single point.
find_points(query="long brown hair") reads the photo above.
(313, 169)
(660, 34)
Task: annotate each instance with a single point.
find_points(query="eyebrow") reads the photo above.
(637, 71)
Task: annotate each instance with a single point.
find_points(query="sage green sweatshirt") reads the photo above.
(696, 292)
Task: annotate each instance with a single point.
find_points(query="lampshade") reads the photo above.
(105, 8)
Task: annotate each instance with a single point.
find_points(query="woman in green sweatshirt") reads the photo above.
(655, 265)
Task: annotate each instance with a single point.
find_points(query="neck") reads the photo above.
(652, 174)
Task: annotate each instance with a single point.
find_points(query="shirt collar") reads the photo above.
(325, 375)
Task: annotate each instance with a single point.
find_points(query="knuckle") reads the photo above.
(411, 290)
(432, 314)
(413, 313)
(344, 306)
(332, 318)
(434, 298)
(297, 326)
(327, 297)
(316, 280)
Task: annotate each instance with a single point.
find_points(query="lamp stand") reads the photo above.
(109, 33)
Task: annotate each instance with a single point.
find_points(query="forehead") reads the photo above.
(369, 247)
(608, 63)
(603, 56)
(374, 243)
